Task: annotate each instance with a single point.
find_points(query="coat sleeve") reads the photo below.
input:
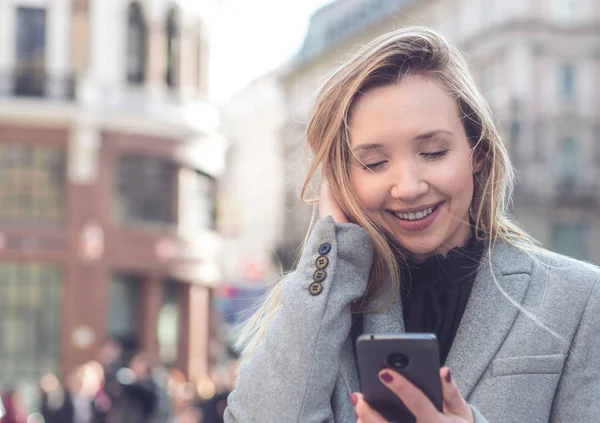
(291, 375)
(576, 399)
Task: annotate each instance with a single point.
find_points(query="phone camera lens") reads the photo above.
(397, 360)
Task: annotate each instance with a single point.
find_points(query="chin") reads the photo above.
(421, 249)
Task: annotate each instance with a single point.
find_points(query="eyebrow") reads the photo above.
(432, 134)
(421, 137)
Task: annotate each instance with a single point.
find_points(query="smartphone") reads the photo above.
(414, 355)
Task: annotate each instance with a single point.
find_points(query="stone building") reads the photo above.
(537, 63)
(109, 152)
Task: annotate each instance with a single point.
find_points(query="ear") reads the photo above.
(477, 161)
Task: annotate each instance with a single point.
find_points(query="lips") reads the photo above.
(409, 220)
(412, 216)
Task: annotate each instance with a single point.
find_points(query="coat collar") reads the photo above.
(489, 314)
(487, 319)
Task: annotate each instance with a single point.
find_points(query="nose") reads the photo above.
(407, 184)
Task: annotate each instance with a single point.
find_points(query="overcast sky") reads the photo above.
(257, 36)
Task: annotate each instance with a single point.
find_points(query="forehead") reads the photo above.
(407, 109)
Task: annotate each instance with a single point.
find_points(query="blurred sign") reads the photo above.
(254, 268)
(165, 250)
(92, 242)
(83, 337)
(237, 302)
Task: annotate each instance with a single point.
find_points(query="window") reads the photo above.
(168, 323)
(515, 127)
(198, 200)
(124, 311)
(489, 11)
(173, 48)
(200, 61)
(569, 162)
(32, 183)
(567, 81)
(147, 189)
(136, 45)
(30, 304)
(489, 79)
(571, 239)
(564, 10)
(30, 52)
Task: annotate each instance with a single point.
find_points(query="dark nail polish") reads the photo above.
(386, 377)
(353, 399)
(448, 377)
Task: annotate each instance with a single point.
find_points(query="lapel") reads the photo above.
(489, 315)
(388, 321)
(484, 326)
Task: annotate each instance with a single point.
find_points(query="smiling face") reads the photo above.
(412, 168)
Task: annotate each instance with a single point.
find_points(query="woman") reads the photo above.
(415, 236)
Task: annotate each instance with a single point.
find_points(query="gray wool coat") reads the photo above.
(508, 368)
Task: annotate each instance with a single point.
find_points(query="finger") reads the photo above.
(328, 206)
(364, 413)
(454, 403)
(414, 399)
(324, 196)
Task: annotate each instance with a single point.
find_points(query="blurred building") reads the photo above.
(252, 190)
(109, 152)
(536, 61)
(251, 196)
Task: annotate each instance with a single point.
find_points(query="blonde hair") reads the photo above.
(386, 61)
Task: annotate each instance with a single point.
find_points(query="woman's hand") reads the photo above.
(328, 206)
(456, 409)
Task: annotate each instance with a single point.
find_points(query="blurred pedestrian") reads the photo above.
(110, 359)
(14, 411)
(163, 411)
(137, 398)
(56, 403)
(84, 384)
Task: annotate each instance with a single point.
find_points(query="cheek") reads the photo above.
(457, 179)
(367, 190)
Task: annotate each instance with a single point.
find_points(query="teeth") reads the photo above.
(416, 216)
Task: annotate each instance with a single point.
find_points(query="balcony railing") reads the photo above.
(564, 194)
(576, 194)
(37, 85)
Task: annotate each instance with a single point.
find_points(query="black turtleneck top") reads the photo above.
(435, 292)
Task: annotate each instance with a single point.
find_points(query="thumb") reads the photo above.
(454, 403)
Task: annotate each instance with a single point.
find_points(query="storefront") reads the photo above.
(130, 254)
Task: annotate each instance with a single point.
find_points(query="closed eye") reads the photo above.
(373, 166)
(435, 155)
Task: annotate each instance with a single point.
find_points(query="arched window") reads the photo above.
(200, 60)
(173, 48)
(569, 163)
(136, 44)
(567, 81)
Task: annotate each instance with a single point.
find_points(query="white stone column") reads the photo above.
(7, 45)
(187, 63)
(84, 148)
(155, 59)
(108, 23)
(58, 47)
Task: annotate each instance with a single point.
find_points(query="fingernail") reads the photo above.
(353, 399)
(386, 377)
(448, 377)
